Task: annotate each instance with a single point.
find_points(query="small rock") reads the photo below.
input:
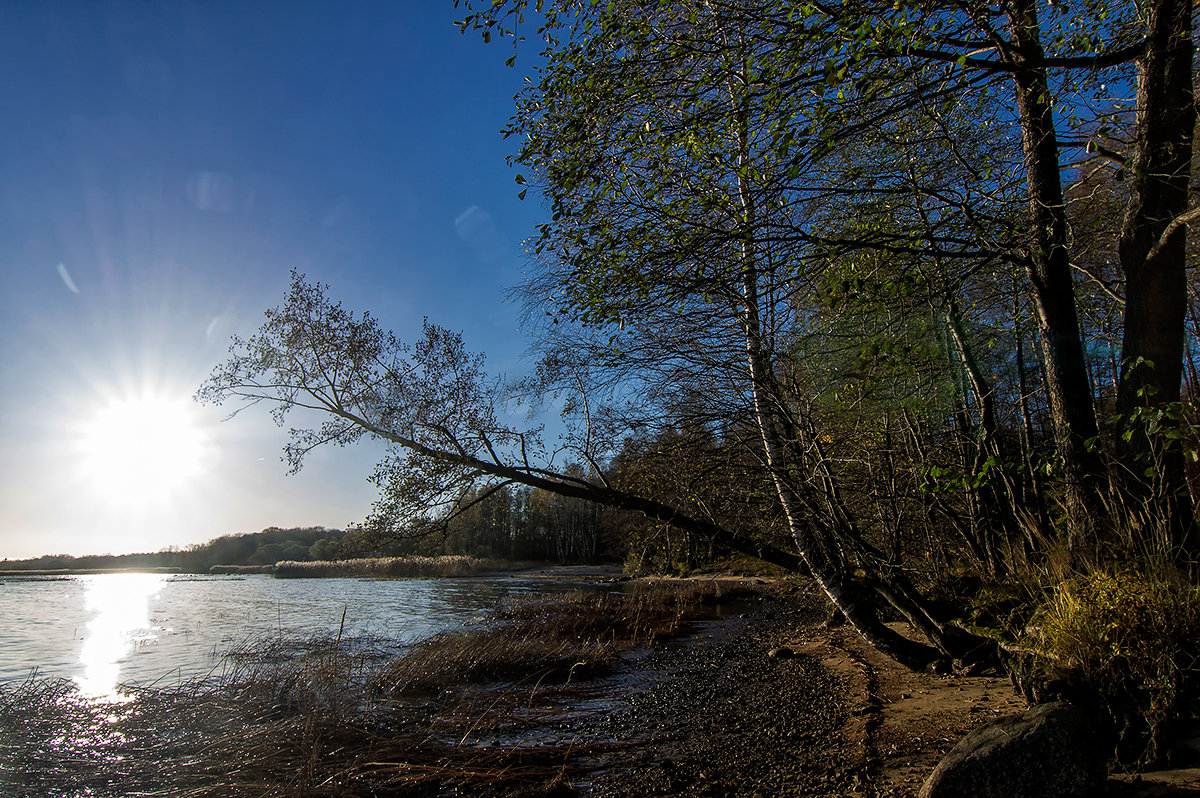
(781, 653)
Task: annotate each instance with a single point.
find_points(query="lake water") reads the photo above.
(105, 630)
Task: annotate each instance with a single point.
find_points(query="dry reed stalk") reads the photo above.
(449, 566)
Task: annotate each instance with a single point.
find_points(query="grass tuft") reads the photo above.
(241, 569)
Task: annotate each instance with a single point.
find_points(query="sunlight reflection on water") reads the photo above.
(121, 620)
(110, 630)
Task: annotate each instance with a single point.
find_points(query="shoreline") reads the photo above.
(719, 698)
(607, 571)
(757, 697)
(17, 573)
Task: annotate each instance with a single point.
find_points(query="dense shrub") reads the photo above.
(1133, 637)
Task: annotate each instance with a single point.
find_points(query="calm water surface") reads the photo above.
(105, 630)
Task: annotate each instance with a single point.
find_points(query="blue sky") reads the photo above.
(165, 164)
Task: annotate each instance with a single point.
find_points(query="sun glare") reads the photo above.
(120, 622)
(143, 450)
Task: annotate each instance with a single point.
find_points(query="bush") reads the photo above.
(1133, 637)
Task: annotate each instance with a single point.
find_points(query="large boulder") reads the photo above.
(1051, 751)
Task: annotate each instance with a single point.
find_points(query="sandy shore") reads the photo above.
(772, 703)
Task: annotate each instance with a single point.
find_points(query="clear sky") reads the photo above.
(164, 165)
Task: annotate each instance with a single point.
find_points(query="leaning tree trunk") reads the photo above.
(854, 598)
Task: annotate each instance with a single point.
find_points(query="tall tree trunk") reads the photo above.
(1049, 268)
(1192, 373)
(1153, 255)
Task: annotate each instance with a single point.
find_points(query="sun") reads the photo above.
(143, 450)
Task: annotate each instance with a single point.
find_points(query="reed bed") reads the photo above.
(577, 634)
(241, 569)
(334, 717)
(390, 567)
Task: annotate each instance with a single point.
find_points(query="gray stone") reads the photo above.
(1051, 751)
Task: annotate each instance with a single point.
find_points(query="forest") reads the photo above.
(894, 295)
(253, 548)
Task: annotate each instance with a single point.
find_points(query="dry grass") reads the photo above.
(1133, 636)
(573, 635)
(342, 717)
(389, 567)
(311, 726)
(53, 742)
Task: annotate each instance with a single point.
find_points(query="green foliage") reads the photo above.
(999, 609)
(1162, 426)
(1133, 635)
(806, 231)
(949, 479)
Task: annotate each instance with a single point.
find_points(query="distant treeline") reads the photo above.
(494, 522)
(255, 548)
(511, 522)
(507, 524)
(519, 523)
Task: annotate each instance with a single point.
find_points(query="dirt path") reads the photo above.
(902, 723)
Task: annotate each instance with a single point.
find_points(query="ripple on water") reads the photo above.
(109, 629)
